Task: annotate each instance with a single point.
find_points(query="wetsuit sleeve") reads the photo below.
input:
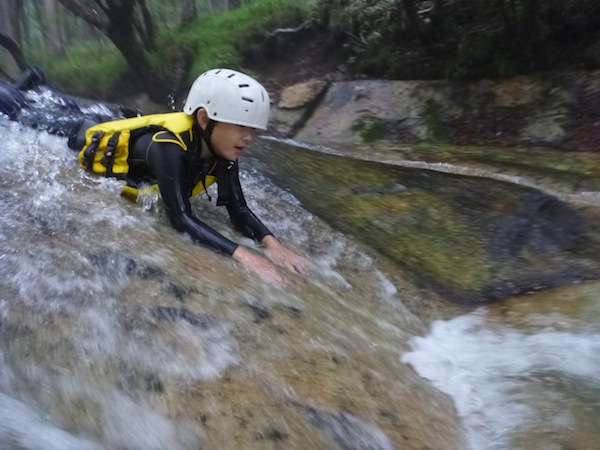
(168, 163)
(232, 196)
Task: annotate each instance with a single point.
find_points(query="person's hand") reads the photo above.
(283, 256)
(258, 265)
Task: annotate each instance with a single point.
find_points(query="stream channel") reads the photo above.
(116, 332)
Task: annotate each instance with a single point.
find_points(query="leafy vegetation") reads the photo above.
(162, 46)
(96, 68)
(90, 69)
(462, 40)
(225, 39)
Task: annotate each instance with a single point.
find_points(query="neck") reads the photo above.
(204, 151)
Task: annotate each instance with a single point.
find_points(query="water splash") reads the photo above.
(506, 382)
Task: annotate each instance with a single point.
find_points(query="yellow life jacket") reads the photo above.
(106, 149)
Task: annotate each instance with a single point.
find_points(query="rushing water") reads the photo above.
(529, 383)
(116, 332)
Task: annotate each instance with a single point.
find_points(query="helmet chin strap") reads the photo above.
(206, 135)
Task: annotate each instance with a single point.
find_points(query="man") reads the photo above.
(183, 153)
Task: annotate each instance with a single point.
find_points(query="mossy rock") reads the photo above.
(472, 239)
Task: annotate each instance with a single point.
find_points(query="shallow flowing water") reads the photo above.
(116, 332)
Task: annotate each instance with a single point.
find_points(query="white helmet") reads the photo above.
(231, 97)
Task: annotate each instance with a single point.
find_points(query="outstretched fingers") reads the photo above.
(259, 266)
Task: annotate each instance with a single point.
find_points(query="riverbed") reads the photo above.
(118, 332)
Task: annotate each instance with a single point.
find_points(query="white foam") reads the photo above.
(492, 371)
(22, 427)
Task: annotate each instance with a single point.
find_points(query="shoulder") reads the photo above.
(164, 137)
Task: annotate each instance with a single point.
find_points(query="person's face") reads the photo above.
(229, 141)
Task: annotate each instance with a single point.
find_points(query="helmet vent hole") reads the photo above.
(208, 102)
(248, 99)
(231, 75)
(215, 114)
(243, 85)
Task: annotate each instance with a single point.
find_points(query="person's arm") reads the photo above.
(169, 164)
(232, 196)
(245, 221)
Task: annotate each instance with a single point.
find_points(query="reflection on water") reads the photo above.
(117, 332)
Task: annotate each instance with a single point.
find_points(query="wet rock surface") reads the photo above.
(473, 239)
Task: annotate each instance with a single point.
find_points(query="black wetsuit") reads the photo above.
(176, 172)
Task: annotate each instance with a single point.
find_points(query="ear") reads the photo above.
(202, 118)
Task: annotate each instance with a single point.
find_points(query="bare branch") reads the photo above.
(149, 28)
(102, 6)
(90, 15)
(9, 44)
(303, 26)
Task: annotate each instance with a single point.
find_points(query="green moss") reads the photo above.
(416, 228)
(415, 223)
(464, 235)
(369, 128)
(436, 129)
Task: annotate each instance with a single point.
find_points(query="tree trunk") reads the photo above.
(121, 31)
(529, 34)
(15, 51)
(10, 14)
(413, 27)
(219, 5)
(54, 31)
(91, 15)
(189, 12)
(147, 27)
(439, 17)
(118, 20)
